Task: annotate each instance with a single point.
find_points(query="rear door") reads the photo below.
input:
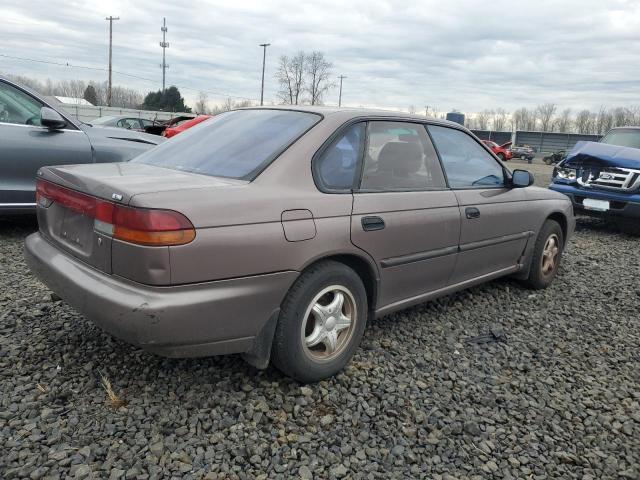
(25, 146)
(495, 227)
(403, 214)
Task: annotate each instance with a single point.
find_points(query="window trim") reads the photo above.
(338, 132)
(426, 123)
(505, 171)
(359, 188)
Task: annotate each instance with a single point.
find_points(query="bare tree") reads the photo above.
(481, 120)
(604, 121)
(201, 103)
(524, 119)
(499, 119)
(583, 121)
(318, 72)
(546, 112)
(412, 109)
(563, 122)
(290, 76)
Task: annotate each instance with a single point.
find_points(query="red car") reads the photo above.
(182, 126)
(502, 151)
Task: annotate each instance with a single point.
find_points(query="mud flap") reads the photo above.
(259, 354)
(525, 259)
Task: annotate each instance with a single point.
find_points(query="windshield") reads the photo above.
(237, 144)
(624, 137)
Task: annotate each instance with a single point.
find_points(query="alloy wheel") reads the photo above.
(329, 323)
(550, 253)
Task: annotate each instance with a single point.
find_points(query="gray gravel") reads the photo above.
(558, 396)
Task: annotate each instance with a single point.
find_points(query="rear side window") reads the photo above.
(400, 156)
(237, 144)
(466, 163)
(336, 168)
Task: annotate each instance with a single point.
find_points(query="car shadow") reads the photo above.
(607, 226)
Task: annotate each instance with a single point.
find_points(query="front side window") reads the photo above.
(236, 144)
(337, 166)
(400, 156)
(18, 107)
(465, 162)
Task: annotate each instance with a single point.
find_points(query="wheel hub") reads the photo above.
(329, 323)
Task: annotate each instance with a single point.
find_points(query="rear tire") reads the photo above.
(546, 257)
(321, 322)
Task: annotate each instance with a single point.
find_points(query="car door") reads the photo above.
(25, 146)
(495, 227)
(403, 215)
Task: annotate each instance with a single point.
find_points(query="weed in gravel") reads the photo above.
(113, 400)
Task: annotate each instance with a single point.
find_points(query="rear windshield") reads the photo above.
(236, 144)
(629, 137)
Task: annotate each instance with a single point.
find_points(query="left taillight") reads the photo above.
(142, 226)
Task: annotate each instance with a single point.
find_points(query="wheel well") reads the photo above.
(364, 271)
(562, 220)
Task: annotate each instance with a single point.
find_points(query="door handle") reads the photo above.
(472, 212)
(370, 224)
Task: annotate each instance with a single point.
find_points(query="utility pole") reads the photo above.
(111, 19)
(164, 44)
(264, 58)
(341, 77)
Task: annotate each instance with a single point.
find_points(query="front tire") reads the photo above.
(321, 322)
(501, 156)
(546, 257)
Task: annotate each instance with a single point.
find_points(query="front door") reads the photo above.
(25, 146)
(494, 226)
(403, 215)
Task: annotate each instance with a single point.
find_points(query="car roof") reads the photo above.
(354, 113)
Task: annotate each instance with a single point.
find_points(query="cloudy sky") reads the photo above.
(465, 54)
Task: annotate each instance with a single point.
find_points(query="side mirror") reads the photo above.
(521, 179)
(51, 119)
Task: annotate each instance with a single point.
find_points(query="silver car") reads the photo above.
(33, 134)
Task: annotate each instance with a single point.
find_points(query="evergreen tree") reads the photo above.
(90, 95)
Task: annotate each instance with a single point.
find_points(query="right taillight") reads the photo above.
(142, 226)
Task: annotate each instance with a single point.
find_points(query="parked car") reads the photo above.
(555, 157)
(183, 125)
(502, 151)
(277, 232)
(603, 178)
(159, 126)
(33, 134)
(122, 121)
(524, 152)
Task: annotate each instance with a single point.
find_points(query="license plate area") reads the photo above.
(596, 205)
(76, 232)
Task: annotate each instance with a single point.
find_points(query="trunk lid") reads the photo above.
(75, 232)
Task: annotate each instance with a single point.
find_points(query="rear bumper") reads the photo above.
(622, 205)
(212, 318)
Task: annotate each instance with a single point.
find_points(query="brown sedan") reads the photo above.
(277, 232)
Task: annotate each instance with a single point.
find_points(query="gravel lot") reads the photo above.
(557, 397)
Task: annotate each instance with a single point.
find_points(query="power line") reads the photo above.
(100, 69)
